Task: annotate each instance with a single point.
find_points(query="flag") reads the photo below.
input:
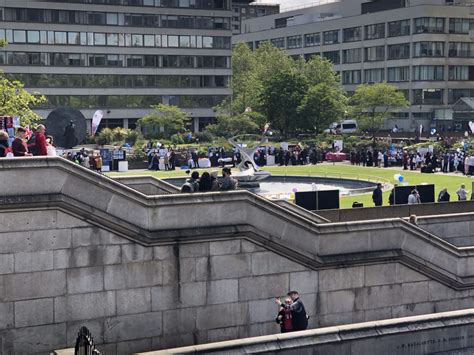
(96, 121)
(28, 133)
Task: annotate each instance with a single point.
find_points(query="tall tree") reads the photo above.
(371, 103)
(281, 95)
(163, 122)
(244, 84)
(16, 101)
(322, 105)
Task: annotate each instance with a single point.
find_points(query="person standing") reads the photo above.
(298, 312)
(462, 193)
(41, 147)
(444, 195)
(284, 316)
(3, 144)
(414, 198)
(377, 195)
(19, 146)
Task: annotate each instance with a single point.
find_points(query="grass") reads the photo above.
(341, 170)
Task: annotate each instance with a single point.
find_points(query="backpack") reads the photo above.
(32, 148)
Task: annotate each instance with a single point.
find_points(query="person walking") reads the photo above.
(462, 193)
(298, 312)
(377, 195)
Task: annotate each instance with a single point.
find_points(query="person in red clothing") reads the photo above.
(19, 146)
(40, 141)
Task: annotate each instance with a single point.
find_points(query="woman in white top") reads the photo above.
(50, 149)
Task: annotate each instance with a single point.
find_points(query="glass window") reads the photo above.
(375, 31)
(399, 28)
(278, 42)
(44, 37)
(333, 56)
(455, 94)
(331, 37)
(164, 41)
(461, 49)
(398, 74)
(149, 40)
(428, 73)
(352, 34)
(33, 36)
(173, 41)
(460, 25)
(207, 42)
(60, 37)
(399, 51)
(461, 72)
(294, 42)
(112, 18)
(374, 75)
(351, 77)
(428, 49)
(99, 39)
(312, 39)
(19, 36)
(375, 54)
(158, 40)
(429, 25)
(428, 96)
(73, 38)
(184, 41)
(352, 55)
(112, 39)
(137, 40)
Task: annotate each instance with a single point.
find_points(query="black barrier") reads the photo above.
(402, 193)
(318, 200)
(426, 192)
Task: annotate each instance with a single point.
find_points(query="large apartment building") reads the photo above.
(246, 9)
(120, 56)
(422, 46)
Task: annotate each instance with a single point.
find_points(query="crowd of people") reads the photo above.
(210, 182)
(36, 143)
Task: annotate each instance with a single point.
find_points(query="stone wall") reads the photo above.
(58, 272)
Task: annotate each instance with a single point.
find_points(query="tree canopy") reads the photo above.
(371, 103)
(15, 101)
(163, 122)
(280, 88)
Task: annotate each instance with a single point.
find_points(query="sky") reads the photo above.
(286, 5)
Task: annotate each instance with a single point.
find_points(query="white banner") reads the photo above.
(96, 121)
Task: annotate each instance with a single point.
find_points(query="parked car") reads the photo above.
(346, 126)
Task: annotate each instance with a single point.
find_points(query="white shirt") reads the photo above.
(462, 194)
(413, 199)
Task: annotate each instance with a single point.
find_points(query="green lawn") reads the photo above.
(347, 171)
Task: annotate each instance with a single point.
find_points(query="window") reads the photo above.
(99, 39)
(184, 41)
(398, 74)
(112, 39)
(73, 38)
(149, 40)
(455, 94)
(429, 25)
(352, 34)
(428, 96)
(33, 36)
(461, 50)
(375, 31)
(112, 19)
(137, 40)
(374, 75)
(173, 41)
(19, 36)
(60, 37)
(312, 39)
(352, 55)
(331, 37)
(351, 77)
(375, 54)
(428, 49)
(399, 28)
(333, 56)
(278, 42)
(460, 25)
(399, 51)
(461, 72)
(428, 73)
(294, 42)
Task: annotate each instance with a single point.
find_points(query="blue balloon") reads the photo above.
(400, 178)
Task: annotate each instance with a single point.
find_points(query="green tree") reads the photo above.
(322, 105)
(280, 98)
(244, 84)
(371, 103)
(163, 122)
(229, 126)
(17, 102)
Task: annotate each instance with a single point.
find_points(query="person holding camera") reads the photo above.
(299, 317)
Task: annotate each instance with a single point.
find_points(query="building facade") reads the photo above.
(120, 56)
(246, 9)
(421, 46)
